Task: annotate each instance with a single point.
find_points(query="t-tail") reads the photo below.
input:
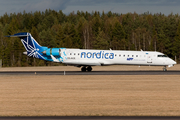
(33, 49)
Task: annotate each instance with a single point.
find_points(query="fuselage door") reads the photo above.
(149, 58)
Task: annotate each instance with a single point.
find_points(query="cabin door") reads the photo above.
(149, 59)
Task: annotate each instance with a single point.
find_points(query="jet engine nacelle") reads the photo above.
(52, 51)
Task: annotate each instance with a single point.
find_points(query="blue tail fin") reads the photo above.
(32, 47)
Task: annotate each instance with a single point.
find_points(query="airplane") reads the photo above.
(86, 58)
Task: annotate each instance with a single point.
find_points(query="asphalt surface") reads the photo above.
(94, 118)
(90, 73)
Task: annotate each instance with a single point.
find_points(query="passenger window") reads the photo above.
(132, 55)
(74, 53)
(136, 55)
(119, 55)
(128, 55)
(70, 53)
(124, 55)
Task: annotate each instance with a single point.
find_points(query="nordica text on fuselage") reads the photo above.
(98, 55)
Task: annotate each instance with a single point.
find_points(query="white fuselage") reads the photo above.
(84, 57)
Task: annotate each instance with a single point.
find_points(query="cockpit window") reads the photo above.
(162, 56)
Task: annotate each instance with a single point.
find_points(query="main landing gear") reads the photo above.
(88, 68)
(164, 68)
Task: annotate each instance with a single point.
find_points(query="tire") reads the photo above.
(89, 68)
(83, 69)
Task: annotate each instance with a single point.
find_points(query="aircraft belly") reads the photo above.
(83, 62)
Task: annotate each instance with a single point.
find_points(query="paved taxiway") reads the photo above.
(89, 73)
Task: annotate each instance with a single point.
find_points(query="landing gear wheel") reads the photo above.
(164, 69)
(83, 69)
(89, 68)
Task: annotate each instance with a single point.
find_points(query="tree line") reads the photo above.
(84, 30)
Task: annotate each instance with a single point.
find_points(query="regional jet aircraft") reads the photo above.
(86, 58)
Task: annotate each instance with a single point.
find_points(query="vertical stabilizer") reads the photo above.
(31, 45)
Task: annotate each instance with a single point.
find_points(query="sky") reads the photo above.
(67, 6)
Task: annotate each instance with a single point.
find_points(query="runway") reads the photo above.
(89, 73)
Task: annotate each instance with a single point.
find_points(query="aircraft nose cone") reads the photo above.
(173, 62)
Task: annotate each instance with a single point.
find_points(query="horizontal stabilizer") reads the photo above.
(19, 35)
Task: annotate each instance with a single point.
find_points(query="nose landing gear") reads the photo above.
(164, 68)
(84, 69)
